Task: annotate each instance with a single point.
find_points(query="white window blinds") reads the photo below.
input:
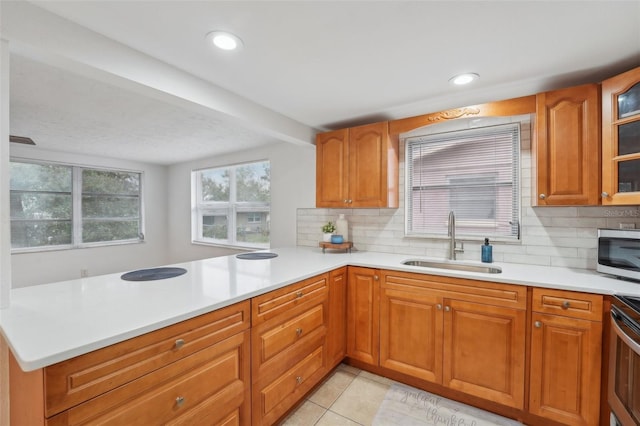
(474, 173)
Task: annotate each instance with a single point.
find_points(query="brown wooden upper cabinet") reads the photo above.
(621, 139)
(566, 147)
(357, 167)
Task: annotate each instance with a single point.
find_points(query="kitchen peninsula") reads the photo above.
(49, 324)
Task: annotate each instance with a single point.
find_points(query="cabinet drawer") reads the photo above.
(274, 341)
(274, 303)
(74, 381)
(217, 375)
(568, 303)
(273, 399)
(492, 293)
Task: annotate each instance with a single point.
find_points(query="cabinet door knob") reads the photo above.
(604, 195)
(180, 401)
(298, 332)
(299, 379)
(346, 201)
(447, 308)
(299, 294)
(537, 324)
(350, 201)
(566, 304)
(376, 278)
(542, 196)
(439, 306)
(179, 343)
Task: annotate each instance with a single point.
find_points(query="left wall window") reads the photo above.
(56, 206)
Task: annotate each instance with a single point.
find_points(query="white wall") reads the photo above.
(167, 193)
(552, 236)
(50, 266)
(293, 186)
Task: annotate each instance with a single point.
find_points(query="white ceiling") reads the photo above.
(325, 64)
(64, 111)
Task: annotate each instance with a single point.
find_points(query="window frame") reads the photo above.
(76, 207)
(231, 209)
(516, 184)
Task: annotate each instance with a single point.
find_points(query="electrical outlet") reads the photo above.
(627, 226)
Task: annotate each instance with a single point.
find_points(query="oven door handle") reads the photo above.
(617, 321)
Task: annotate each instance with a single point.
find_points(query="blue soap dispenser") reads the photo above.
(487, 252)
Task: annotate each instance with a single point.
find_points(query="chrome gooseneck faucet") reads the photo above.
(453, 249)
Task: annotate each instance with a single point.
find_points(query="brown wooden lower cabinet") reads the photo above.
(411, 333)
(484, 351)
(170, 376)
(252, 362)
(466, 335)
(289, 346)
(566, 348)
(337, 328)
(209, 378)
(363, 316)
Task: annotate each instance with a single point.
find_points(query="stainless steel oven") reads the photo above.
(624, 361)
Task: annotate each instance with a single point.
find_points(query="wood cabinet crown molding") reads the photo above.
(504, 108)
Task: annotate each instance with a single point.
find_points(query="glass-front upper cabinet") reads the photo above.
(621, 139)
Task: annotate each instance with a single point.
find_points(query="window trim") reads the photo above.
(76, 207)
(462, 125)
(231, 208)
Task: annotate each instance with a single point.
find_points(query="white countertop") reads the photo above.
(50, 323)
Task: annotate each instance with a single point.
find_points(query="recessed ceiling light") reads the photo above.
(462, 79)
(224, 40)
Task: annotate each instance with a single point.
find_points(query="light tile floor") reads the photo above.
(348, 397)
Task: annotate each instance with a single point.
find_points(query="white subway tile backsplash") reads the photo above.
(528, 259)
(590, 222)
(573, 262)
(563, 212)
(553, 251)
(558, 236)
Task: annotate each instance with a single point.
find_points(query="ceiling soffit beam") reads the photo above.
(44, 36)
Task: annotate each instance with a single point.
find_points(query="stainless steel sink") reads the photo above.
(453, 265)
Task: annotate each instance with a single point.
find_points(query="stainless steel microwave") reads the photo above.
(619, 253)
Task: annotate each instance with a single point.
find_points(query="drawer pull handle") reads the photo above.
(179, 343)
(299, 294)
(537, 324)
(180, 401)
(298, 332)
(299, 379)
(566, 304)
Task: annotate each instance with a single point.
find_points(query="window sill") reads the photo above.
(28, 250)
(229, 246)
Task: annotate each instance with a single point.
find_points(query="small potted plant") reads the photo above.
(327, 230)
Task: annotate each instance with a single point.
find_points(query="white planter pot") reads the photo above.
(326, 238)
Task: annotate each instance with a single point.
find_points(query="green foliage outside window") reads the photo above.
(41, 197)
(233, 204)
